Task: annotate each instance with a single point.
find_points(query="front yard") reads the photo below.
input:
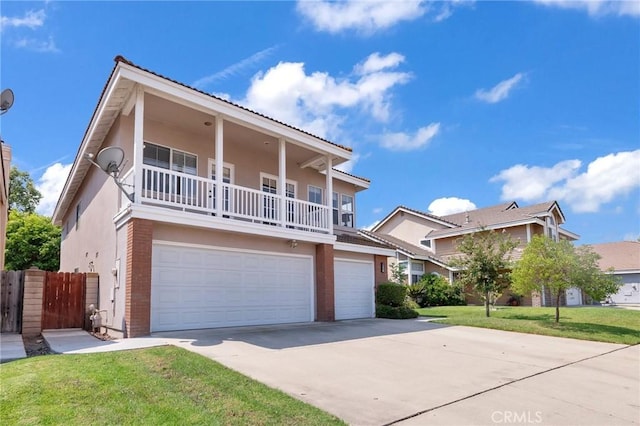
(162, 385)
(601, 324)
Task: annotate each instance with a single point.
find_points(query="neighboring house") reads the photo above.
(236, 219)
(426, 243)
(5, 163)
(623, 258)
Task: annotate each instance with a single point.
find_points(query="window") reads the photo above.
(417, 271)
(227, 177)
(426, 243)
(343, 210)
(77, 215)
(154, 155)
(315, 194)
(269, 184)
(347, 211)
(167, 158)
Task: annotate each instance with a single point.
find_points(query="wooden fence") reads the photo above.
(63, 300)
(11, 297)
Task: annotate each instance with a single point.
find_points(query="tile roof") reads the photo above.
(621, 255)
(397, 243)
(494, 216)
(356, 239)
(120, 58)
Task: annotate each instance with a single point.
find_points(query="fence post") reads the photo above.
(32, 307)
(91, 296)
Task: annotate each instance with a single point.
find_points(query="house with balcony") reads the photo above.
(426, 243)
(221, 216)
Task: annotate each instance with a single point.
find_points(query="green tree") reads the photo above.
(398, 274)
(558, 266)
(32, 240)
(23, 195)
(485, 263)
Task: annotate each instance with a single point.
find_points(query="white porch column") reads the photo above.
(329, 193)
(528, 233)
(219, 143)
(282, 181)
(138, 144)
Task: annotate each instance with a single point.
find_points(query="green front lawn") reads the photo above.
(155, 386)
(587, 323)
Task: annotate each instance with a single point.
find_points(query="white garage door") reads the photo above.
(205, 288)
(354, 285)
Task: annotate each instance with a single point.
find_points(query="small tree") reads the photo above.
(558, 266)
(485, 263)
(398, 274)
(23, 195)
(32, 240)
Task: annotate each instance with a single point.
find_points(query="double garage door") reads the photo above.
(206, 288)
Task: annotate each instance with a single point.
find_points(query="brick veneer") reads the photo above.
(325, 291)
(381, 274)
(138, 282)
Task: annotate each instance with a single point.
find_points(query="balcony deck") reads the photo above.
(180, 191)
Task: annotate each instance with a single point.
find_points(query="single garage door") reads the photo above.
(354, 284)
(206, 288)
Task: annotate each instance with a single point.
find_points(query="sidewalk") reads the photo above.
(11, 347)
(81, 342)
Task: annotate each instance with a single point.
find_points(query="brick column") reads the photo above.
(381, 274)
(325, 301)
(32, 302)
(138, 281)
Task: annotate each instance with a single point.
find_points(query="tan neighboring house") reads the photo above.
(4, 199)
(623, 257)
(232, 218)
(426, 243)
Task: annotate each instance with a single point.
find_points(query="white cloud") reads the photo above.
(532, 183)
(450, 205)
(375, 63)
(50, 186)
(500, 91)
(366, 17)
(37, 45)
(31, 19)
(598, 8)
(606, 178)
(315, 101)
(406, 142)
(234, 69)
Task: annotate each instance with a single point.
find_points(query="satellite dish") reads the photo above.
(6, 100)
(110, 159)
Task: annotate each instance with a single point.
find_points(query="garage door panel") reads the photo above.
(354, 283)
(202, 288)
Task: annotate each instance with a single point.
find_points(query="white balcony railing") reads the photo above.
(196, 194)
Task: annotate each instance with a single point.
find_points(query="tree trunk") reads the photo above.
(486, 303)
(558, 307)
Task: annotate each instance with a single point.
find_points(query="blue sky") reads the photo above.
(447, 105)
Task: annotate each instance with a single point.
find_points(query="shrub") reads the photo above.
(395, 312)
(416, 292)
(439, 292)
(391, 294)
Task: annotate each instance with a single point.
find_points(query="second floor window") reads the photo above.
(315, 194)
(343, 210)
(167, 158)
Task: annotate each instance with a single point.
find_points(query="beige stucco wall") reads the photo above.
(408, 227)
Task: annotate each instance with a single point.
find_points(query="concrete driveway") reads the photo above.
(373, 372)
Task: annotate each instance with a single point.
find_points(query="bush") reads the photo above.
(439, 292)
(395, 312)
(391, 294)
